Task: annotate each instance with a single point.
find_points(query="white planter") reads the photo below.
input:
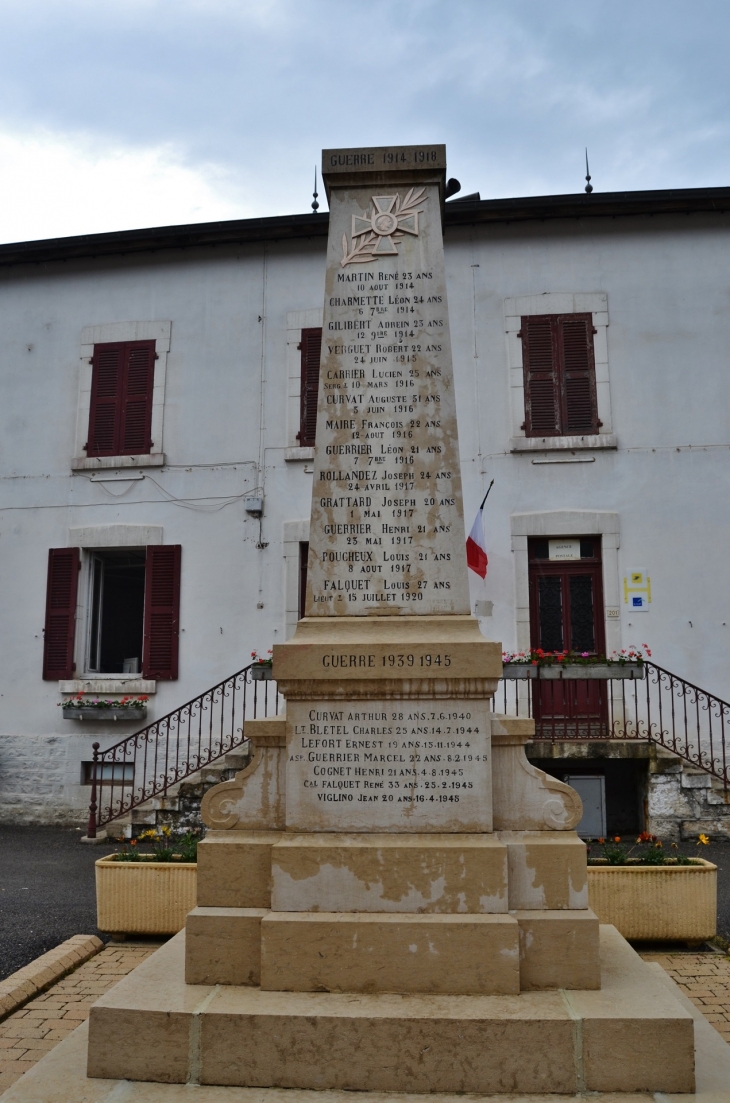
(573, 671)
(656, 903)
(101, 715)
(144, 897)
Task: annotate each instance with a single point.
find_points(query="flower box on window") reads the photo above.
(102, 715)
(102, 709)
(568, 671)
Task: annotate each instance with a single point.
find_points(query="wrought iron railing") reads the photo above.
(146, 764)
(661, 708)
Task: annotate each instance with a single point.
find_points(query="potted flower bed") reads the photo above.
(262, 669)
(652, 893)
(557, 665)
(81, 707)
(148, 893)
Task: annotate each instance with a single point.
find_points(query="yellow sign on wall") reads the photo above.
(637, 591)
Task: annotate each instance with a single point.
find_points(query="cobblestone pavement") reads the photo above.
(30, 1032)
(706, 980)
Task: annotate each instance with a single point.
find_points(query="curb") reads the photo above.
(27, 982)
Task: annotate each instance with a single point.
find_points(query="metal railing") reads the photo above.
(146, 764)
(660, 708)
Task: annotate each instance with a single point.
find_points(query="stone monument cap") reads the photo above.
(384, 164)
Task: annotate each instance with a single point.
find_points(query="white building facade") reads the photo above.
(628, 469)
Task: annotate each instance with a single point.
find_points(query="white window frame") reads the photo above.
(295, 533)
(89, 538)
(296, 321)
(594, 303)
(110, 333)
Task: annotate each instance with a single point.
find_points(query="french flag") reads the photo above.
(476, 545)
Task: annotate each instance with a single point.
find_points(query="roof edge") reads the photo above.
(301, 226)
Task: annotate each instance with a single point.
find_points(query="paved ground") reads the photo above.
(29, 1033)
(706, 980)
(47, 891)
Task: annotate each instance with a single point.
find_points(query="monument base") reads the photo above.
(631, 1035)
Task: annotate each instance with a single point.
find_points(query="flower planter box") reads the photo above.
(656, 903)
(261, 673)
(570, 671)
(144, 897)
(104, 714)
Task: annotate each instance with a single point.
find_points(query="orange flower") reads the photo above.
(617, 838)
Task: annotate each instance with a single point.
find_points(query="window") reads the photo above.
(133, 612)
(311, 349)
(303, 560)
(559, 375)
(116, 611)
(120, 415)
(108, 773)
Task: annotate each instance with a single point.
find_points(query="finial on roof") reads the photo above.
(589, 186)
(315, 204)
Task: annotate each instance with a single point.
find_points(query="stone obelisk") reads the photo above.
(390, 897)
(388, 678)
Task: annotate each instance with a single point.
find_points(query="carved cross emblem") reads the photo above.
(377, 233)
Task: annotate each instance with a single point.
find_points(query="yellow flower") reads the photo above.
(148, 835)
(704, 839)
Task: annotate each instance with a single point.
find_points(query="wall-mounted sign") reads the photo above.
(637, 591)
(564, 549)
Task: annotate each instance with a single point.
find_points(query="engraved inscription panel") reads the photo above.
(387, 533)
(421, 765)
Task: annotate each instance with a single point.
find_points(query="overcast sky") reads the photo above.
(124, 113)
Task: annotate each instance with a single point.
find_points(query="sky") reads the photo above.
(117, 114)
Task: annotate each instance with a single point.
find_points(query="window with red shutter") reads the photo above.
(60, 630)
(560, 375)
(120, 417)
(161, 612)
(311, 349)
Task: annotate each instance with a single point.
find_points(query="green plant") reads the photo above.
(167, 846)
(651, 852)
(80, 701)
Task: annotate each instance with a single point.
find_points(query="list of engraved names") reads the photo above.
(374, 764)
(387, 533)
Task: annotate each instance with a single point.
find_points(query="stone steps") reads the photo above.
(631, 1035)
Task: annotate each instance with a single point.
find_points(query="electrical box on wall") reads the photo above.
(254, 506)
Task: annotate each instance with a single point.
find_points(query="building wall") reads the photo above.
(227, 433)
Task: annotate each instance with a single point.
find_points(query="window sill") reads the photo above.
(293, 455)
(101, 463)
(95, 684)
(563, 444)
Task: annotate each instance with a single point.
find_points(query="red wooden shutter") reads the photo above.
(311, 349)
(120, 417)
(136, 417)
(578, 373)
(106, 379)
(58, 641)
(161, 612)
(542, 389)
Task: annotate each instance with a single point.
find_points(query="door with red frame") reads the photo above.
(566, 613)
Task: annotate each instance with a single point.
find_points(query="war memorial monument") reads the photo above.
(391, 898)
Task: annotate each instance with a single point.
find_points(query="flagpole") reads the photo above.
(481, 507)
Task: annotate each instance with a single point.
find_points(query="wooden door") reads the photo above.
(566, 613)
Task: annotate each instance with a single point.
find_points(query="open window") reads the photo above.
(116, 611)
(133, 612)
